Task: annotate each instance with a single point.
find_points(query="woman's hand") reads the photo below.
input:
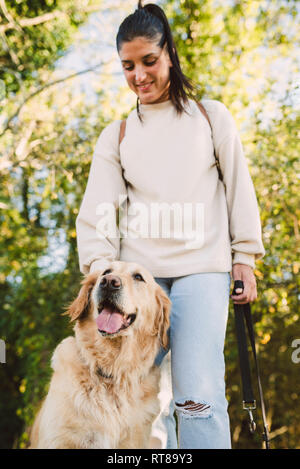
(245, 273)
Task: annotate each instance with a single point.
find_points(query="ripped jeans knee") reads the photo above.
(193, 408)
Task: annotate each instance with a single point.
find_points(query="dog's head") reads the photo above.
(122, 299)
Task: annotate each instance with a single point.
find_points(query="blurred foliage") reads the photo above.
(229, 48)
(34, 34)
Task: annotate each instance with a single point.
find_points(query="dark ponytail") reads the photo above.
(150, 21)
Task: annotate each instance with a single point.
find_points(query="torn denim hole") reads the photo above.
(189, 408)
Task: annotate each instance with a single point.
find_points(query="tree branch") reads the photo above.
(7, 15)
(27, 22)
(42, 88)
(13, 55)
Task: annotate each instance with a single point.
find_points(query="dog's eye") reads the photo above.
(107, 271)
(138, 277)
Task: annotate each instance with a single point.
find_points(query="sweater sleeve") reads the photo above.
(104, 186)
(243, 212)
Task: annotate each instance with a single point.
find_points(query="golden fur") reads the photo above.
(114, 408)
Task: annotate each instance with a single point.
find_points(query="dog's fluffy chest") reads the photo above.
(107, 399)
(115, 408)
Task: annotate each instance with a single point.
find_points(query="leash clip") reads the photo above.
(249, 406)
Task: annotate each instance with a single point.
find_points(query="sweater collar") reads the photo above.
(155, 106)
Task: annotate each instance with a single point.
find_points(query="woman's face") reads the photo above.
(147, 69)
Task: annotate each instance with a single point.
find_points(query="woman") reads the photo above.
(166, 160)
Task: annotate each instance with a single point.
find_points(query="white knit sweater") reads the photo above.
(206, 225)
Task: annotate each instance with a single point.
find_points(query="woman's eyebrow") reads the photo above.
(145, 57)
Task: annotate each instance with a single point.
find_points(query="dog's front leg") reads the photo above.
(138, 437)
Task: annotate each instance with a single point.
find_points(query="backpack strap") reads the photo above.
(122, 131)
(203, 110)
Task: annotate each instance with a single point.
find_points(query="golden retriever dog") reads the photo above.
(104, 387)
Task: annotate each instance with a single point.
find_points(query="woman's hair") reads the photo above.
(150, 21)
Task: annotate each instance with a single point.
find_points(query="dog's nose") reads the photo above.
(111, 282)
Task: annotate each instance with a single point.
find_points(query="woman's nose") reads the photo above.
(140, 75)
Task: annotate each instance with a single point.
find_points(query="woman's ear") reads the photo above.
(80, 306)
(162, 319)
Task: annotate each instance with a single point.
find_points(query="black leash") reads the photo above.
(242, 313)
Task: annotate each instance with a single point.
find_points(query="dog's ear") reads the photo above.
(162, 318)
(80, 305)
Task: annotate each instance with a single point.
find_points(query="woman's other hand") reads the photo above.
(245, 273)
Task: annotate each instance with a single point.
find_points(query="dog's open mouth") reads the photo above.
(112, 320)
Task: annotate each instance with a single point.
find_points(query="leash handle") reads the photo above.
(242, 313)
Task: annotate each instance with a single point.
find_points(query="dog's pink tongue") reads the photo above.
(109, 321)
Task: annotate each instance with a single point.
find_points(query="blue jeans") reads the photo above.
(197, 333)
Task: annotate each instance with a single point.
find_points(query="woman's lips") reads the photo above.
(145, 87)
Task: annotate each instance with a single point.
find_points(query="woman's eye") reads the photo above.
(138, 277)
(147, 64)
